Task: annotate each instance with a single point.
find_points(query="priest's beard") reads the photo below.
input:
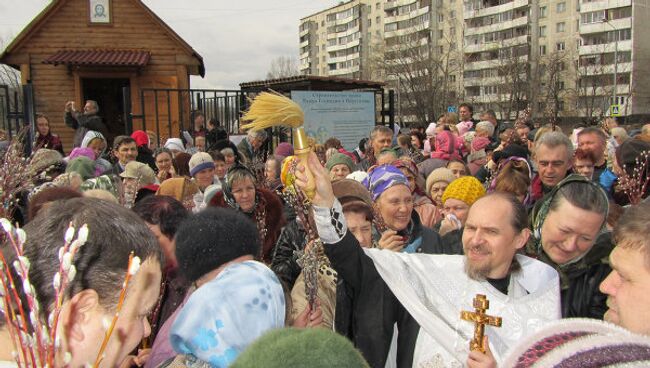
(480, 271)
(477, 272)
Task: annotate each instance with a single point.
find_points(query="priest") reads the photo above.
(411, 317)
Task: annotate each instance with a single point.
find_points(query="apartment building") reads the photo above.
(562, 58)
(337, 41)
(614, 56)
(423, 54)
(497, 53)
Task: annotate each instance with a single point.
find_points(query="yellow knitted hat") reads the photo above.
(465, 189)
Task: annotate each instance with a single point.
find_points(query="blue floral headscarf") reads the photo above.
(383, 177)
(224, 316)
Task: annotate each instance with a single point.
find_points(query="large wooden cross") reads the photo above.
(481, 304)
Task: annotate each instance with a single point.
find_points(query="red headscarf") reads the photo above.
(141, 138)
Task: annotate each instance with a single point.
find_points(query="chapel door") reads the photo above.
(108, 94)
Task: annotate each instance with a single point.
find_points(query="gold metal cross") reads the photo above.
(481, 304)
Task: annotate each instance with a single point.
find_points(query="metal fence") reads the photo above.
(169, 111)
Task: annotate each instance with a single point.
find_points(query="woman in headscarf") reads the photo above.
(422, 204)
(182, 189)
(96, 142)
(145, 155)
(242, 193)
(397, 225)
(44, 136)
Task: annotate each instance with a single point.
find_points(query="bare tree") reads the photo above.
(282, 67)
(552, 70)
(594, 82)
(512, 71)
(424, 73)
(11, 78)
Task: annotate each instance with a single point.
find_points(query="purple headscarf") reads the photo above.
(383, 177)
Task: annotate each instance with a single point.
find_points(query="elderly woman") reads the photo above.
(339, 166)
(44, 136)
(260, 205)
(397, 224)
(458, 197)
(437, 182)
(422, 204)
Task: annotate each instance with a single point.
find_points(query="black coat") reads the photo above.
(82, 124)
(292, 240)
(374, 307)
(580, 281)
(145, 155)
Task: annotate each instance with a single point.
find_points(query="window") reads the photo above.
(542, 50)
(452, 31)
(452, 14)
(560, 7)
(560, 27)
(441, 34)
(561, 65)
(378, 5)
(592, 17)
(560, 105)
(543, 12)
(542, 31)
(441, 18)
(452, 78)
(560, 46)
(560, 85)
(378, 20)
(490, 90)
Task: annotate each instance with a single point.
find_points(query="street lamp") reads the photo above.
(614, 97)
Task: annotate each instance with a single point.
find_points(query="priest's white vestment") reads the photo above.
(435, 289)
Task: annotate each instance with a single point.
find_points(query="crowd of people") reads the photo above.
(549, 225)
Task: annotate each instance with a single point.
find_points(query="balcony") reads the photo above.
(495, 45)
(401, 17)
(621, 68)
(343, 46)
(495, 9)
(405, 31)
(602, 5)
(600, 27)
(500, 26)
(487, 64)
(474, 82)
(352, 69)
(339, 59)
(606, 90)
(606, 47)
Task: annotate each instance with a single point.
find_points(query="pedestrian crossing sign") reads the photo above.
(615, 110)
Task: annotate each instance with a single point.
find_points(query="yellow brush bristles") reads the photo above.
(271, 109)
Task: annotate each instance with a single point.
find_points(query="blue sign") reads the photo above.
(348, 116)
(451, 109)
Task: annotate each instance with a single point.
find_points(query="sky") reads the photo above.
(237, 39)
